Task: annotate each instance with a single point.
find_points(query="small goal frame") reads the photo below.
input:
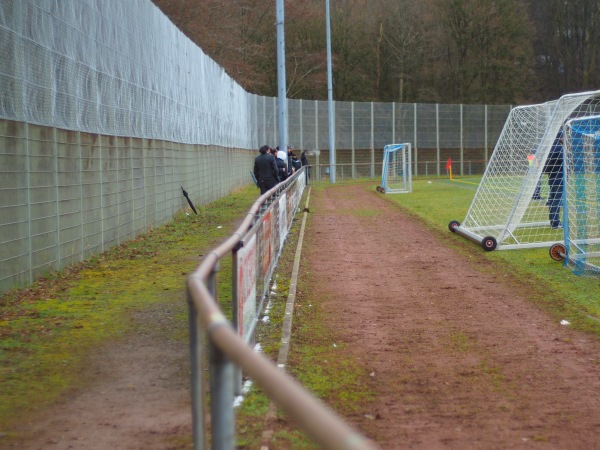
(396, 171)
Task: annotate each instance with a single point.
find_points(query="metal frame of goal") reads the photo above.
(581, 250)
(396, 172)
(510, 208)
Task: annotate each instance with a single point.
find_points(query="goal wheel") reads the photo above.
(380, 189)
(489, 243)
(453, 224)
(558, 252)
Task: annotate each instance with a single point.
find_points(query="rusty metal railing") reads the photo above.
(228, 351)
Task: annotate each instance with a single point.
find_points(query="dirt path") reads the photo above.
(460, 358)
(137, 395)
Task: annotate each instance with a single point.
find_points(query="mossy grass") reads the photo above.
(47, 329)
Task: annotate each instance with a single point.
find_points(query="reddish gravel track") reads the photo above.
(461, 358)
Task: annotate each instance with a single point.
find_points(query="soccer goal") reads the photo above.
(581, 197)
(511, 208)
(396, 174)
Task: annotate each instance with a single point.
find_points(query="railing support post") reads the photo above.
(196, 359)
(221, 388)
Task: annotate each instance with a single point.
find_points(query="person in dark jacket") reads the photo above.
(265, 170)
(304, 161)
(304, 158)
(296, 164)
(282, 166)
(554, 169)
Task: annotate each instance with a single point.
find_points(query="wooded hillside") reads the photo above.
(448, 51)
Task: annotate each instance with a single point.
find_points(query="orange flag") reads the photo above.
(449, 164)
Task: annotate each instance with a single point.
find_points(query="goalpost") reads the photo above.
(510, 210)
(396, 173)
(581, 197)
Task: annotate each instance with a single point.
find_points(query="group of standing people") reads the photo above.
(273, 166)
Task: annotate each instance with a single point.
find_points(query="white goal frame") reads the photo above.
(396, 172)
(509, 204)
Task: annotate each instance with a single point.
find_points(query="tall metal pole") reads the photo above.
(282, 126)
(330, 99)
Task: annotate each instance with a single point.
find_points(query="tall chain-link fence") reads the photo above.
(107, 110)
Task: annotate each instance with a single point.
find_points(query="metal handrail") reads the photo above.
(315, 418)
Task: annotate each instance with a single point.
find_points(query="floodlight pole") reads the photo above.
(330, 99)
(282, 126)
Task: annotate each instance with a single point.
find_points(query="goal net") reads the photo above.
(511, 203)
(582, 194)
(396, 175)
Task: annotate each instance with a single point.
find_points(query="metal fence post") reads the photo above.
(352, 140)
(57, 193)
(393, 122)
(197, 391)
(316, 125)
(462, 149)
(372, 142)
(485, 134)
(437, 139)
(235, 311)
(221, 388)
(28, 164)
(415, 143)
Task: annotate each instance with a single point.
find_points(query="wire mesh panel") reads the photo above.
(383, 124)
(91, 182)
(49, 200)
(511, 203)
(582, 195)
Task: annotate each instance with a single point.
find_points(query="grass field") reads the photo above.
(47, 329)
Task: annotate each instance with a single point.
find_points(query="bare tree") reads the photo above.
(403, 50)
(352, 51)
(235, 33)
(470, 51)
(576, 26)
(487, 50)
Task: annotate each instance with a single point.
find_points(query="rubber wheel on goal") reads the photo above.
(489, 243)
(558, 252)
(379, 189)
(453, 224)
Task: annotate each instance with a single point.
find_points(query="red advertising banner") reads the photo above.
(246, 282)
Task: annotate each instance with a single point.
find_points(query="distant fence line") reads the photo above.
(435, 131)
